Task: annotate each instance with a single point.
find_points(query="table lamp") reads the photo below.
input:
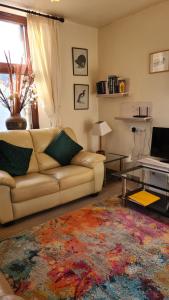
(101, 128)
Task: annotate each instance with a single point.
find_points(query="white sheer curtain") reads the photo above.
(44, 47)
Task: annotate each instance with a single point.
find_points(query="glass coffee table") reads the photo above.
(152, 180)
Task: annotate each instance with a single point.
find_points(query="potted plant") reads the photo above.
(22, 91)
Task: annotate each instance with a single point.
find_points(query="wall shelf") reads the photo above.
(116, 95)
(134, 119)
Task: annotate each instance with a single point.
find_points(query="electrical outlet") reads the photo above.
(130, 127)
(133, 128)
(140, 129)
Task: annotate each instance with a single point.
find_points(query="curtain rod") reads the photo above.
(61, 19)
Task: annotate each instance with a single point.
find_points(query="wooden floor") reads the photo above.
(110, 191)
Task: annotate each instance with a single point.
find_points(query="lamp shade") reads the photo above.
(101, 128)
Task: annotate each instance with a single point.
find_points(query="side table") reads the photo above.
(111, 158)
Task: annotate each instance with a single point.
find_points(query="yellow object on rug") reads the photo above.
(144, 198)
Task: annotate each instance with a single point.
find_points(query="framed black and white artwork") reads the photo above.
(81, 96)
(159, 61)
(80, 61)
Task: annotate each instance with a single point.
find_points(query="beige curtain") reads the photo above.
(43, 36)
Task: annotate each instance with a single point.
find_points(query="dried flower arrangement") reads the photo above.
(21, 86)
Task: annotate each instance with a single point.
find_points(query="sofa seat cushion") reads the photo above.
(33, 185)
(69, 176)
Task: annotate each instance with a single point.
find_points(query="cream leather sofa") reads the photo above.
(47, 183)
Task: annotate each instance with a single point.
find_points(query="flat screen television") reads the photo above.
(160, 143)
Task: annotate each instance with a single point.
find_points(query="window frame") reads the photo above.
(20, 20)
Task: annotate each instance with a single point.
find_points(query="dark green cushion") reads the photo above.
(63, 148)
(13, 159)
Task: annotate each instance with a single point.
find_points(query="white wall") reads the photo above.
(124, 48)
(80, 36)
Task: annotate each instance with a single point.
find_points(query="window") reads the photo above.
(14, 40)
(13, 33)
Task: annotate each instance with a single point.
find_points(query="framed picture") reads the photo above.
(80, 61)
(81, 96)
(159, 61)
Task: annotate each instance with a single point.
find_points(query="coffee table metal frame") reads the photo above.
(129, 175)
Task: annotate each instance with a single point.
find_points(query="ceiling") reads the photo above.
(95, 13)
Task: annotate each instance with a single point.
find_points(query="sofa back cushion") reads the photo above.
(63, 148)
(41, 139)
(21, 138)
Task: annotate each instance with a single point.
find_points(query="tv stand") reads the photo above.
(154, 163)
(164, 160)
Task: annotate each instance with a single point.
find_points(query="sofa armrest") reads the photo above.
(6, 210)
(6, 183)
(87, 159)
(93, 161)
(7, 179)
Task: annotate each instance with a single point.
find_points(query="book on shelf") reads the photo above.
(101, 87)
(113, 84)
(143, 198)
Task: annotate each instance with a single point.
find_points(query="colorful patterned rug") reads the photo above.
(98, 253)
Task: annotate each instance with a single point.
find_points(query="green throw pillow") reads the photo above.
(63, 148)
(13, 159)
